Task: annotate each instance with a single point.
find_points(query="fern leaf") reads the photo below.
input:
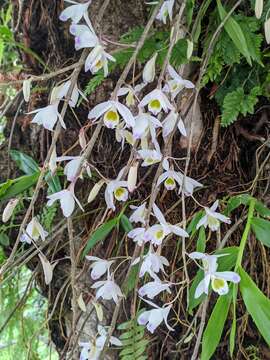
(237, 102)
(133, 340)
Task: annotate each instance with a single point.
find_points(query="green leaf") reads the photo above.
(235, 201)
(189, 10)
(4, 187)
(129, 284)
(4, 239)
(19, 185)
(53, 182)
(201, 242)
(179, 53)
(257, 304)
(100, 234)
(235, 32)
(126, 224)
(261, 228)
(24, 162)
(191, 229)
(215, 325)
(238, 102)
(262, 209)
(233, 327)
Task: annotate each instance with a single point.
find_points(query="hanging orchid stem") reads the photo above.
(245, 234)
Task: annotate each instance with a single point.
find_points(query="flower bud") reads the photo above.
(132, 177)
(149, 70)
(82, 139)
(52, 162)
(258, 8)
(267, 30)
(94, 192)
(27, 89)
(8, 211)
(189, 48)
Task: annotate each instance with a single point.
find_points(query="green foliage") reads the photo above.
(257, 304)
(125, 223)
(261, 228)
(133, 340)
(100, 234)
(17, 340)
(12, 188)
(24, 162)
(215, 325)
(237, 102)
(48, 214)
(235, 32)
(239, 85)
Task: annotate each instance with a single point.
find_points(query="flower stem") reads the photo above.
(245, 234)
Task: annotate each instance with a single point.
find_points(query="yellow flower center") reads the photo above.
(119, 193)
(213, 222)
(35, 232)
(155, 104)
(149, 161)
(98, 65)
(218, 284)
(111, 118)
(170, 183)
(159, 234)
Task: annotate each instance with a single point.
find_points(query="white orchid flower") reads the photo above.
(111, 110)
(98, 59)
(143, 123)
(99, 266)
(108, 290)
(116, 189)
(153, 288)
(152, 263)
(177, 83)
(153, 318)
(150, 157)
(171, 177)
(149, 70)
(169, 123)
(62, 91)
(138, 214)
(131, 93)
(138, 235)
(158, 232)
(67, 200)
(218, 279)
(84, 36)
(34, 231)
(165, 11)
(9, 209)
(48, 116)
(156, 101)
(72, 167)
(212, 218)
(74, 12)
(100, 341)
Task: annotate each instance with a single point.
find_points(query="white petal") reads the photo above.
(228, 276)
(126, 114)
(99, 110)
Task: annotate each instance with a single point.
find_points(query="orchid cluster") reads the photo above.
(138, 118)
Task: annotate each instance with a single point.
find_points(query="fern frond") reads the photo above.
(133, 340)
(237, 102)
